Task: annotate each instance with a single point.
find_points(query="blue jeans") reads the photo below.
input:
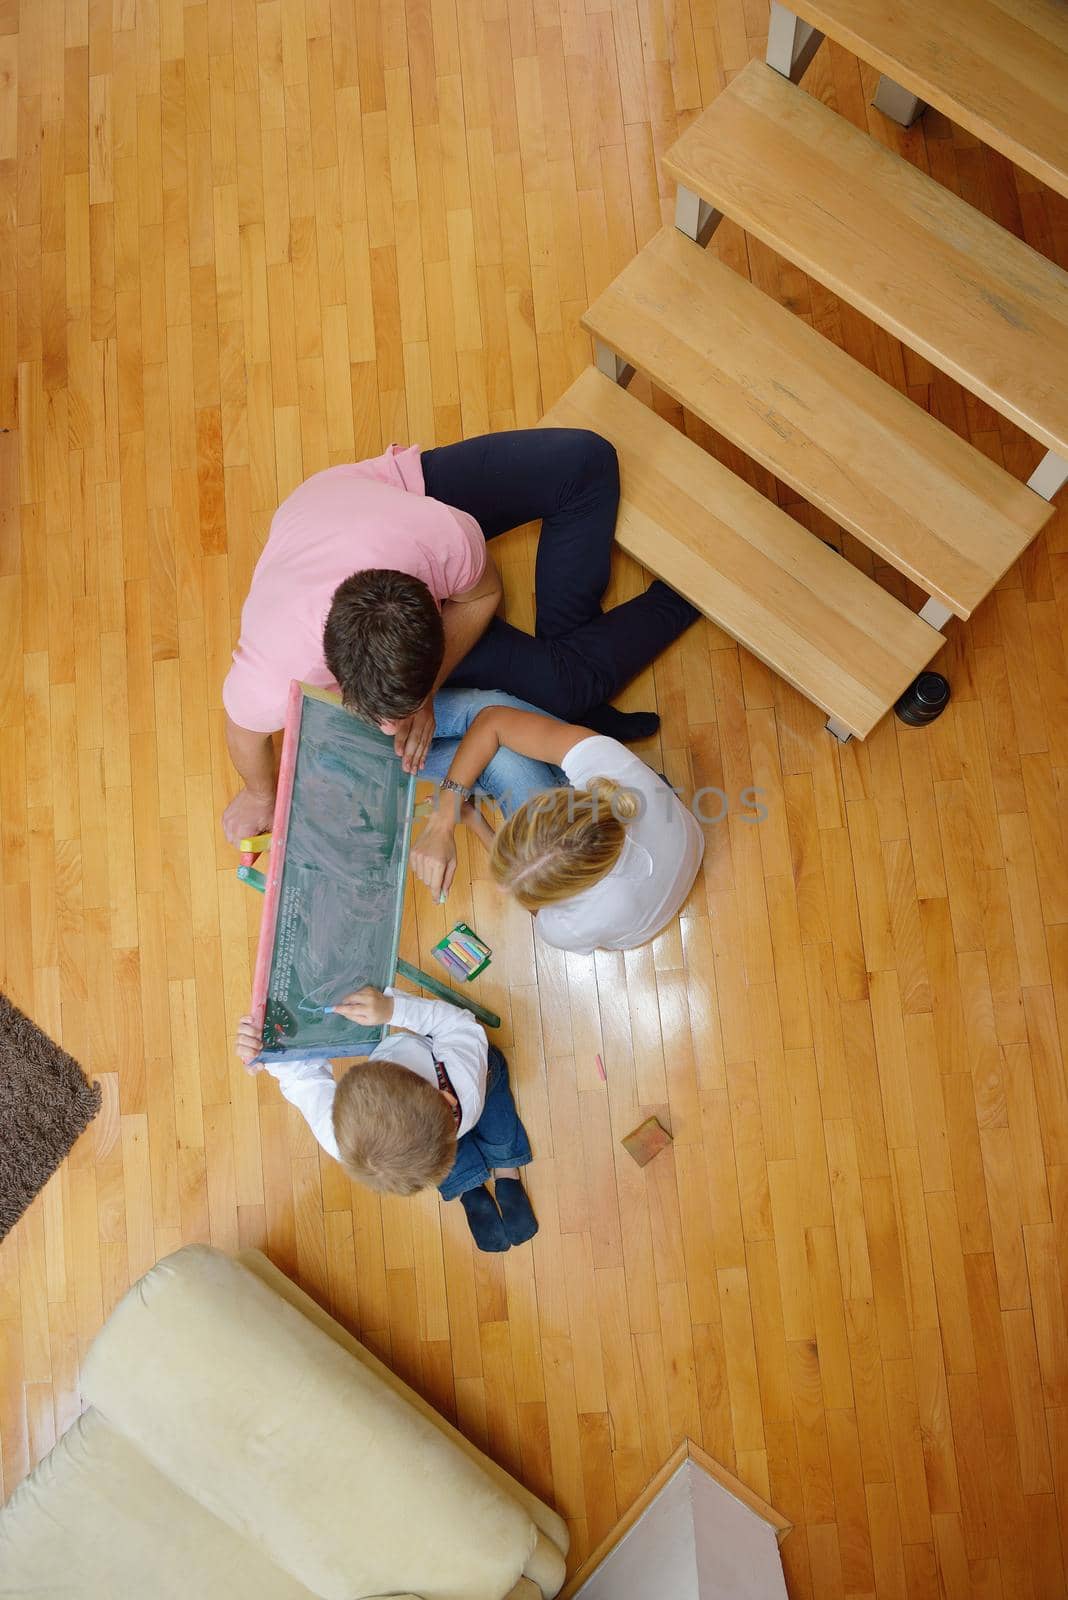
(510, 779)
(498, 1138)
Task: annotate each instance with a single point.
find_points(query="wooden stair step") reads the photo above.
(820, 623)
(922, 498)
(997, 67)
(918, 260)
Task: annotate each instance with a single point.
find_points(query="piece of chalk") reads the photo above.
(471, 941)
(254, 879)
(249, 857)
(451, 963)
(442, 897)
(258, 842)
(600, 1068)
(328, 1010)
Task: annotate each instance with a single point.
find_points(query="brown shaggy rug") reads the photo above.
(45, 1103)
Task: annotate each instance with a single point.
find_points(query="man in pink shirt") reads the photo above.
(375, 580)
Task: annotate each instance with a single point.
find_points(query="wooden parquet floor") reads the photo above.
(242, 241)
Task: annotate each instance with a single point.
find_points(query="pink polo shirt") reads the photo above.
(344, 520)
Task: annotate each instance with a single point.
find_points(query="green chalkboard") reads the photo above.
(335, 880)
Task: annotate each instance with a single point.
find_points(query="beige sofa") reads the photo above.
(240, 1445)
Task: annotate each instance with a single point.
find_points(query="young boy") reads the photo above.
(430, 1105)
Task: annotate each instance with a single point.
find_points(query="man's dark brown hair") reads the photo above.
(383, 642)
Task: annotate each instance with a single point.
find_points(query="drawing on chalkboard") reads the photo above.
(335, 890)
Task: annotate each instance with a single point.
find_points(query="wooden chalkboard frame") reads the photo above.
(347, 1038)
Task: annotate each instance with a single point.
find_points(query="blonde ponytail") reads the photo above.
(562, 842)
(621, 803)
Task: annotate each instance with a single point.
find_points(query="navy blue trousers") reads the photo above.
(578, 656)
(498, 1138)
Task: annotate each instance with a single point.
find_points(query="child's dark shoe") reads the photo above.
(484, 1220)
(520, 1223)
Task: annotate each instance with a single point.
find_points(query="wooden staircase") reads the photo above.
(937, 274)
(818, 621)
(921, 497)
(950, 283)
(998, 67)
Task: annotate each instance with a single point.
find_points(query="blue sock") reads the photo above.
(484, 1219)
(519, 1220)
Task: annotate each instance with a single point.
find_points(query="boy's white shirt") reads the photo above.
(436, 1032)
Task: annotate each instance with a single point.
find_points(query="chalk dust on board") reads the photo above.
(343, 876)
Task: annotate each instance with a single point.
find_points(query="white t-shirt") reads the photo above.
(438, 1032)
(654, 873)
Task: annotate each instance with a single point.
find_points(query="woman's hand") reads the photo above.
(367, 1006)
(248, 1044)
(434, 856)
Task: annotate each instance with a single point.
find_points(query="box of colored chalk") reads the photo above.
(462, 953)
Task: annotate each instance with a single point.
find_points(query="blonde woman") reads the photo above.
(603, 864)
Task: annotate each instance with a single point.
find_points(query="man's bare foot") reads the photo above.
(473, 819)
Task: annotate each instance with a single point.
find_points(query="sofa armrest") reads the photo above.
(269, 1424)
(549, 1521)
(545, 1566)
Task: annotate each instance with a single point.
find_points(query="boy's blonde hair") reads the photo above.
(562, 842)
(395, 1132)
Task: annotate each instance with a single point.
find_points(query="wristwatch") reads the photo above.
(456, 788)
